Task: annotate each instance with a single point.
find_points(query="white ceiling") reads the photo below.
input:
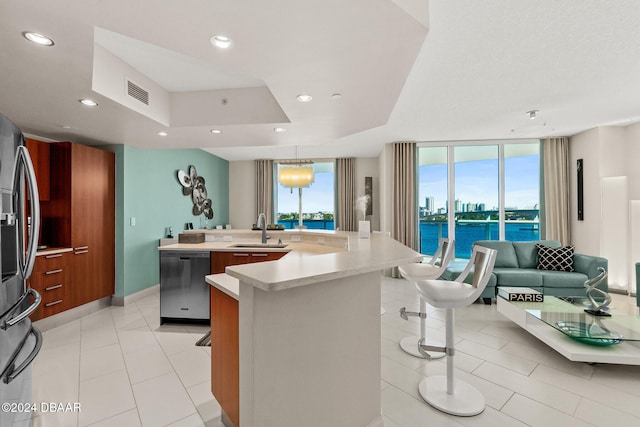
(464, 70)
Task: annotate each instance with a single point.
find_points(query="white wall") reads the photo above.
(610, 184)
(585, 235)
(633, 160)
(242, 194)
(242, 191)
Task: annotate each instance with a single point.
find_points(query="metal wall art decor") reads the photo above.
(193, 185)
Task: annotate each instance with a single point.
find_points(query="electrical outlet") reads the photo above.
(227, 238)
(320, 239)
(296, 238)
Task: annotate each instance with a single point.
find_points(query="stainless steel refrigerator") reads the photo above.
(20, 341)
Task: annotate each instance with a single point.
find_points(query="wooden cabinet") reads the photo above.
(81, 215)
(220, 260)
(225, 362)
(51, 278)
(225, 346)
(40, 156)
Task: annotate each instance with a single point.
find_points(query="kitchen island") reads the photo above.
(307, 328)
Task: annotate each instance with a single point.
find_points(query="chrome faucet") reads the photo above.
(262, 223)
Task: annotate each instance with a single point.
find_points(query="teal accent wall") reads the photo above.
(148, 190)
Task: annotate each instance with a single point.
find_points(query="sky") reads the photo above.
(477, 182)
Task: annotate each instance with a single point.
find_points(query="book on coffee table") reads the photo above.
(520, 294)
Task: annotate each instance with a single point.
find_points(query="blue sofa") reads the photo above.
(516, 265)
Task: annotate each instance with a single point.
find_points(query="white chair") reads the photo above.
(444, 392)
(419, 271)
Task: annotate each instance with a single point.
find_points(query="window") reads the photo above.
(317, 200)
(478, 192)
(522, 192)
(432, 196)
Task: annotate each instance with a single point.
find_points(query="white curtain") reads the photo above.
(556, 189)
(346, 194)
(404, 218)
(264, 189)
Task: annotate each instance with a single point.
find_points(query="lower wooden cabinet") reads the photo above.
(221, 260)
(225, 362)
(51, 278)
(225, 342)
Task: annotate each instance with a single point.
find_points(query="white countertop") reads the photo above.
(319, 256)
(227, 284)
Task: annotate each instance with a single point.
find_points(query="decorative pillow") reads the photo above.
(559, 259)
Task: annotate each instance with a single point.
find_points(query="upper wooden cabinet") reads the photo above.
(40, 156)
(81, 215)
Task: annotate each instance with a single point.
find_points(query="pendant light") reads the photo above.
(298, 174)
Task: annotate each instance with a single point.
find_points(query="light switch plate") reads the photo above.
(133, 221)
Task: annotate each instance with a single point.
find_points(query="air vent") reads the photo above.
(135, 91)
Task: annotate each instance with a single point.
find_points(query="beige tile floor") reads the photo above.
(127, 370)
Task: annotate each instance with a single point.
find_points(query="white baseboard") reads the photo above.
(76, 313)
(72, 314)
(121, 301)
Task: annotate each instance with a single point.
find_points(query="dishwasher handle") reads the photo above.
(183, 255)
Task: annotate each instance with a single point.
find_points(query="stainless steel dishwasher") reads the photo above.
(184, 294)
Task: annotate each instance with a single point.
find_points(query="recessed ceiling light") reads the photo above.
(279, 130)
(223, 42)
(88, 102)
(66, 127)
(216, 131)
(163, 133)
(336, 96)
(38, 38)
(304, 98)
(532, 114)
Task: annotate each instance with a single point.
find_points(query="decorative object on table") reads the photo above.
(364, 227)
(520, 294)
(597, 309)
(589, 333)
(194, 186)
(169, 232)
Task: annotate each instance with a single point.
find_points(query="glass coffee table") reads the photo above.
(562, 324)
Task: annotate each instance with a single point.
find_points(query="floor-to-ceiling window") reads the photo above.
(482, 191)
(317, 200)
(432, 197)
(477, 194)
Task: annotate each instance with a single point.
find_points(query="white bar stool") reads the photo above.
(419, 271)
(445, 393)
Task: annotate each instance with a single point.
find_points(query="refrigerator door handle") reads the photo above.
(23, 160)
(5, 324)
(10, 372)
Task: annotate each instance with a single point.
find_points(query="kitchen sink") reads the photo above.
(257, 245)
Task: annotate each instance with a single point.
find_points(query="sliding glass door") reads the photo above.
(432, 197)
(488, 191)
(477, 194)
